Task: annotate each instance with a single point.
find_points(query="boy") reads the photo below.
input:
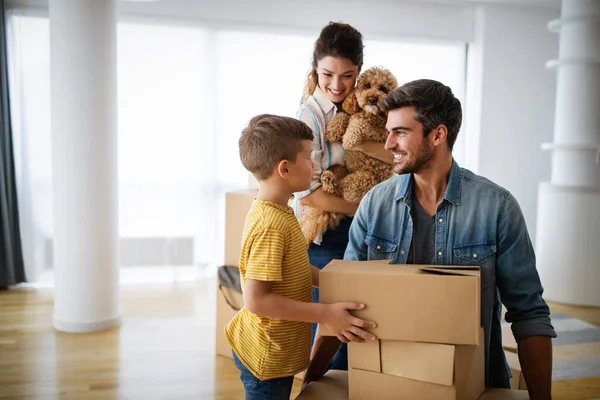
(271, 335)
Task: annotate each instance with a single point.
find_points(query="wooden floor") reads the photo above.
(163, 350)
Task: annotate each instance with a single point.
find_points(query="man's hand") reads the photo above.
(344, 325)
(324, 348)
(375, 150)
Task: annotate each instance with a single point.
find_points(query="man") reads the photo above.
(434, 212)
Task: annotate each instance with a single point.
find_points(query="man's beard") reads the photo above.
(415, 164)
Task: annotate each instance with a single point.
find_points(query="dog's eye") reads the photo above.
(383, 89)
(368, 86)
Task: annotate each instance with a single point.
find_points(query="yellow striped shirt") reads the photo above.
(273, 249)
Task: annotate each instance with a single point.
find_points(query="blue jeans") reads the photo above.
(332, 247)
(272, 389)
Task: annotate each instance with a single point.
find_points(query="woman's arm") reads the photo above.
(315, 197)
(375, 150)
(328, 202)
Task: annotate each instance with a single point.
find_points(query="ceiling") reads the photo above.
(182, 3)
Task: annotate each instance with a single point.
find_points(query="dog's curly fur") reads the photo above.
(360, 120)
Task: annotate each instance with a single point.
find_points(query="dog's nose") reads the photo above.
(372, 100)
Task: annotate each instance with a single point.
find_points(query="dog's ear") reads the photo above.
(350, 105)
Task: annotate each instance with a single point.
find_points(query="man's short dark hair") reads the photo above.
(268, 139)
(434, 105)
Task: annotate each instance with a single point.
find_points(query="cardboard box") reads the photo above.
(237, 205)
(224, 314)
(389, 369)
(409, 302)
(518, 379)
(332, 386)
(504, 394)
(508, 339)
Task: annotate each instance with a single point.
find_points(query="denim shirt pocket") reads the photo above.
(482, 254)
(380, 248)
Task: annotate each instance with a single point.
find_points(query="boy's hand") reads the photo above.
(347, 327)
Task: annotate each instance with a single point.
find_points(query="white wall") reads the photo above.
(517, 100)
(510, 103)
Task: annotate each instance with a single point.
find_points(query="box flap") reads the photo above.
(428, 362)
(452, 270)
(385, 267)
(406, 302)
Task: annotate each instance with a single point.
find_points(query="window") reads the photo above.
(443, 62)
(184, 95)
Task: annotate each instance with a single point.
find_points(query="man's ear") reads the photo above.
(440, 135)
(282, 168)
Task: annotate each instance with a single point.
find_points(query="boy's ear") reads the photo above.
(282, 168)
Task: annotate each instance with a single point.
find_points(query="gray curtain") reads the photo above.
(12, 270)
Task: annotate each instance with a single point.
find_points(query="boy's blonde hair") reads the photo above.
(268, 139)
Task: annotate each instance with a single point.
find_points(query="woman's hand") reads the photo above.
(376, 150)
(328, 202)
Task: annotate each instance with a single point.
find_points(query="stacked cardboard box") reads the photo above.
(237, 204)
(430, 342)
(334, 386)
(384, 368)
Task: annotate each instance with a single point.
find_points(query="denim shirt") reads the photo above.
(477, 223)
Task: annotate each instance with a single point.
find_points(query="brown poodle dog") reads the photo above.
(360, 120)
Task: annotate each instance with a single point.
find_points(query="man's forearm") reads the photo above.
(535, 356)
(323, 350)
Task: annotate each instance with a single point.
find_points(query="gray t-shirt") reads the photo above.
(422, 247)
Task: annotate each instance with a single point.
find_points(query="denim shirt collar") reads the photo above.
(452, 193)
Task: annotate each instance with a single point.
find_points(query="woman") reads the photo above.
(337, 61)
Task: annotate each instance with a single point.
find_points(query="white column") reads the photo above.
(84, 163)
(568, 231)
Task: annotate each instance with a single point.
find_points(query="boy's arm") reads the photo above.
(314, 271)
(259, 299)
